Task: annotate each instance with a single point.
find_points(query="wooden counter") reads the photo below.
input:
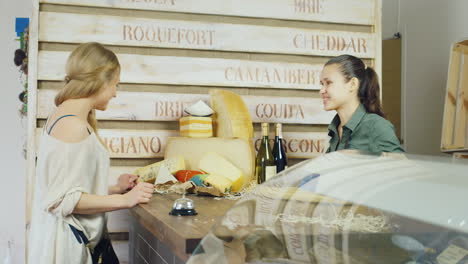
(179, 234)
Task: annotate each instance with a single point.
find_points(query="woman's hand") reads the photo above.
(126, 182)
(141, 193)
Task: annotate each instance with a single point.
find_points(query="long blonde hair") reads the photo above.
(89, 67)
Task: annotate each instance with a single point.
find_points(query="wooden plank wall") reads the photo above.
(173, 51)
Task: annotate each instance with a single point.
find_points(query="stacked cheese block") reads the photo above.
(198, 124)
(228, 159)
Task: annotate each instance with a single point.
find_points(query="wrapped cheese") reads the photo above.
(185, 175)
(198, 179)
(150, 172)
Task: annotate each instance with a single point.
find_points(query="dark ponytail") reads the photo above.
(369, 88)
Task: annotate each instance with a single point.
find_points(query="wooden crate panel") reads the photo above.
(130, 31)
(141, 144)
(170, 107)
(451, 101)
(455, 122)
(461, 124)
(197, 71)
(460, 155)
(334, 11)
(136, 143)
(300, 145)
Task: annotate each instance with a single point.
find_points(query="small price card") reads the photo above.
(452, 255)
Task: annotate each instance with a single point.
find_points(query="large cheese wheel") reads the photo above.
(232, 117)
(240, 152)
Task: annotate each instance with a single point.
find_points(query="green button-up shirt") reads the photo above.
(364, 131)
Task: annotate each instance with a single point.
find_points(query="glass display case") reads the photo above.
(349, 207)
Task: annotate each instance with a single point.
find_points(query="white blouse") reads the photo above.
(64, 171)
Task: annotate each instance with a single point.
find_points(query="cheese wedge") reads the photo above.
(221, 183)
(150, 172)
(164, 176)
(199, 108)
(239, 152)
(232, 117)
(215, 164)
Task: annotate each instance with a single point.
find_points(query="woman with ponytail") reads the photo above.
(352, 90)
(72, 194)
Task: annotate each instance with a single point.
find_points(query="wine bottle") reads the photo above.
(279, 155)
(264, 163)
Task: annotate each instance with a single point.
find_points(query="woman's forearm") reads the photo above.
(93, 204)
(114, 189)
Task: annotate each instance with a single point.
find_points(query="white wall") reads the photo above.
(12, 163)
(390, 19)
(428, 29)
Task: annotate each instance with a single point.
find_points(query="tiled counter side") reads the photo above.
(157, 237)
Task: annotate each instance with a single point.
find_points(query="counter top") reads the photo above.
(181, 233)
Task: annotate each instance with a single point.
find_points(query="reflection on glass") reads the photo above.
(347, 207)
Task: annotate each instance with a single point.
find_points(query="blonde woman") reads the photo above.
(71, 191)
